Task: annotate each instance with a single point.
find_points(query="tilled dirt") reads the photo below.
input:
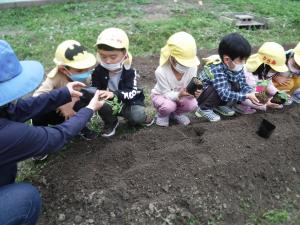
(219, 172)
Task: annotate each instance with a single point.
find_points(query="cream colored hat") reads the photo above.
(72, 53)
(116, 38)
(269, 53)
(182, 47)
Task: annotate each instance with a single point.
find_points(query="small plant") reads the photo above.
(276, 216)
(261, 88)
(115, 105)
(280, 97)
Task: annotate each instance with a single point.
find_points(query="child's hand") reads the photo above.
(106, 95)
(251, 96)
(74, 88)
(66, 110)
(183, 93)
(273, 105)
(198, 93)
(282, 80)
(95, 104)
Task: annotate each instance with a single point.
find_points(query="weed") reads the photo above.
(276, 216)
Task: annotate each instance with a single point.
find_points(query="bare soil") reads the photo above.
(221, 172)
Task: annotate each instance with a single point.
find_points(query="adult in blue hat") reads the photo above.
(20, 202)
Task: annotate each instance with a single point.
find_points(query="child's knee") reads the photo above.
(191, 104)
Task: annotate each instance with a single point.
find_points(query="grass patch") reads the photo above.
(271, 217)
(35, 32)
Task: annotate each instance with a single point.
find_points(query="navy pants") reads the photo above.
(20, 204)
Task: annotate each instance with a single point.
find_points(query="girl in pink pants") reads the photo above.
(177, 66)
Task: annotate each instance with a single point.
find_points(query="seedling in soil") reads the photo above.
(280, 97)
(115, 105)
(262, 97)
(261, 88)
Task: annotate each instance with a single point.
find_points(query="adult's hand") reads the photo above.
(74, 88)
(95, 104)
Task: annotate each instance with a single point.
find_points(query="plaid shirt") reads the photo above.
(220, 77)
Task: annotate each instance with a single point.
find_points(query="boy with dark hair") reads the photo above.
(118, 82)
(224, 80)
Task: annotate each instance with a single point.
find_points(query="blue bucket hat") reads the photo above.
(17, 78)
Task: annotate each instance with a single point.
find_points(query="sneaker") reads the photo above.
(87, 134)
(110, 130)
(40, 158)
(243, 109)
(149, 121)
(182, 119)
(224, 110)
(296, 98)
(162, 121)
(207, 114)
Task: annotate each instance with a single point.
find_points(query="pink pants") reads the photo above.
(165, 106)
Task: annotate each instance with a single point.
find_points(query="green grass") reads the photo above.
(271, 217)
(35, 32)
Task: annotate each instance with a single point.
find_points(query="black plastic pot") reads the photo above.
(277, 99)
(87, 94)
(266, 128)
(195, 84)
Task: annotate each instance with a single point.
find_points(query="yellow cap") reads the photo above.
(182, 47)
(269, 53)
(297, 54)
(72, 53)
(116, 38)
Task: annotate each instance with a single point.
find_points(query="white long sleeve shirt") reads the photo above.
(168, 85)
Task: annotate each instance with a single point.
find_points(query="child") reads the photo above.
(224, 81)
(290, 80)
(268, 61)
(73, 63)
(118, 81)
(177, 66)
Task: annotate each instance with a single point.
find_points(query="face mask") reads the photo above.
(81, 77)
(237, 67)
(180, 68)
(113, 66)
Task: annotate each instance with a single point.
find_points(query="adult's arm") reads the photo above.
(33, 106)
(19, 141)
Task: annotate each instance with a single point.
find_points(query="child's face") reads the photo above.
(111, 57)
(234, 65)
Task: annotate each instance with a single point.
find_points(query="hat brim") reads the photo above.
(87, 62)
(31, 76)
(111, 44)
(188, 62)
(280, 69)
(253, 63)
